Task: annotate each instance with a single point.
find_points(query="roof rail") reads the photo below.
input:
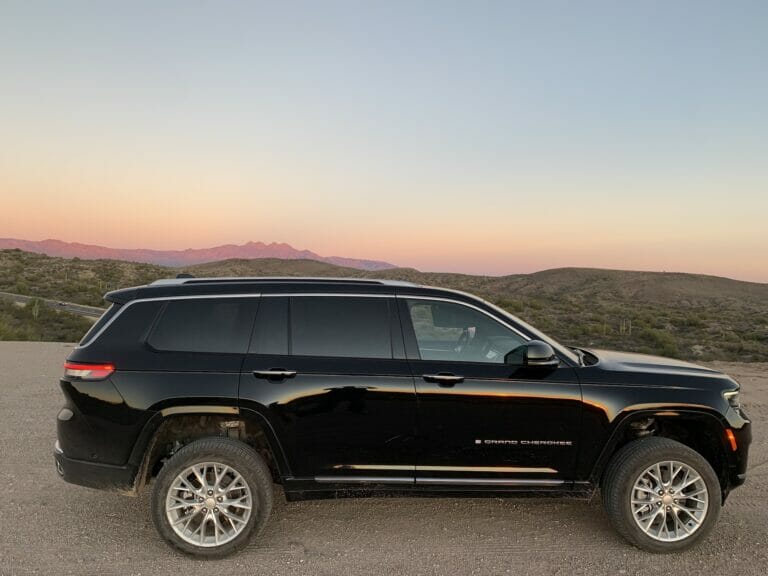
(286, 279)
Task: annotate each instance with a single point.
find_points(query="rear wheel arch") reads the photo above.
(170, 430)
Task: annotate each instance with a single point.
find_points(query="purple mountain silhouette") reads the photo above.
(187, 257)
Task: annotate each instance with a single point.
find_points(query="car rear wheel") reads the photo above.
(211, 497)
(661, 495)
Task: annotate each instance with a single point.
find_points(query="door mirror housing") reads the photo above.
(533, 354)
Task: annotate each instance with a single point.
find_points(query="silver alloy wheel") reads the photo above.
(669, 501)
(208, 504)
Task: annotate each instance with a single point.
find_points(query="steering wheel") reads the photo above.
(487, 348)
(463, 340)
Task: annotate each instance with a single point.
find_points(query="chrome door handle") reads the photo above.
(276, 374)
(443, 379)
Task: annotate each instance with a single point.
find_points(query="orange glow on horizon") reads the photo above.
(487, 139)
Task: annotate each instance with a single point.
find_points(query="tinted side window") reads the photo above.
(205, 325)
(270, 335)
(356, 327)
(130, 326)
(454, 332)
(100, 323)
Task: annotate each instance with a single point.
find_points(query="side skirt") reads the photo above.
(323, 487)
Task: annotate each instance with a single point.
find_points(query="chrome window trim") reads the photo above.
(331, 294)
(297, 294)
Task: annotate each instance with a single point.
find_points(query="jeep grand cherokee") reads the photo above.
(211, 390)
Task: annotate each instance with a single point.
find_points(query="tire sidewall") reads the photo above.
(624, 481)
(239, 457)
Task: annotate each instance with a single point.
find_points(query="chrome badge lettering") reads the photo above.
(494, 442)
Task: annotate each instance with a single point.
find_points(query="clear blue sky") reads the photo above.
(491, 137)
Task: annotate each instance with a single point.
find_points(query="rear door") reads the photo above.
(483, 422)
(329, 372)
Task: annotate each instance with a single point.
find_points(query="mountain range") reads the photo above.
(188, 257)
(682, 315)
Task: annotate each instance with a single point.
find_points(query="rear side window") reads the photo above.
(218, 325)
(354, 327)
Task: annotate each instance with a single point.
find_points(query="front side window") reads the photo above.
(353, 327)
(217, 325)
(457, 333)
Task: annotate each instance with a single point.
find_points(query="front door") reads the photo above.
(483, 422)
(330, 374)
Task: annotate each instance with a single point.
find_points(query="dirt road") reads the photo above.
(49, 527)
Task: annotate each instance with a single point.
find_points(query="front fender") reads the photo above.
(621, 431)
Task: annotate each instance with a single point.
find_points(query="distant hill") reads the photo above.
(176, 258)
(682, 315)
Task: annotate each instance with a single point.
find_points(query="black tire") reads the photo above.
(625, 468)
(239, 456)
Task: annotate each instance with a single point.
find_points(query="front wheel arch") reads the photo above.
(699, 430)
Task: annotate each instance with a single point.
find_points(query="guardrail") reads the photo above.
(79, 309)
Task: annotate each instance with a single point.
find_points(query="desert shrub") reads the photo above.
(36, 321)
(661, 342)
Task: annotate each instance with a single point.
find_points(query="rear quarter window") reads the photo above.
(127, 326)
(214, 325)
(100, 323)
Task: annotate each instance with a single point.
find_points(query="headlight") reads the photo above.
(733, 398)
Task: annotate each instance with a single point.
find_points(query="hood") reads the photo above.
(631, 362)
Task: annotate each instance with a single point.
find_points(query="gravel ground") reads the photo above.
(50, 527)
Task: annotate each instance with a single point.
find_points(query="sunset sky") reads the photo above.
(480, 137)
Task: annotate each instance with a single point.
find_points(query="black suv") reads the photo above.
(213, 389)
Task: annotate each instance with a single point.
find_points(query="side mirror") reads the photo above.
(534, 353)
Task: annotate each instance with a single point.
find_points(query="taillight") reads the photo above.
(88, 371)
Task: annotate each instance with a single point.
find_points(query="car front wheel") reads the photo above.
(661, 495)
